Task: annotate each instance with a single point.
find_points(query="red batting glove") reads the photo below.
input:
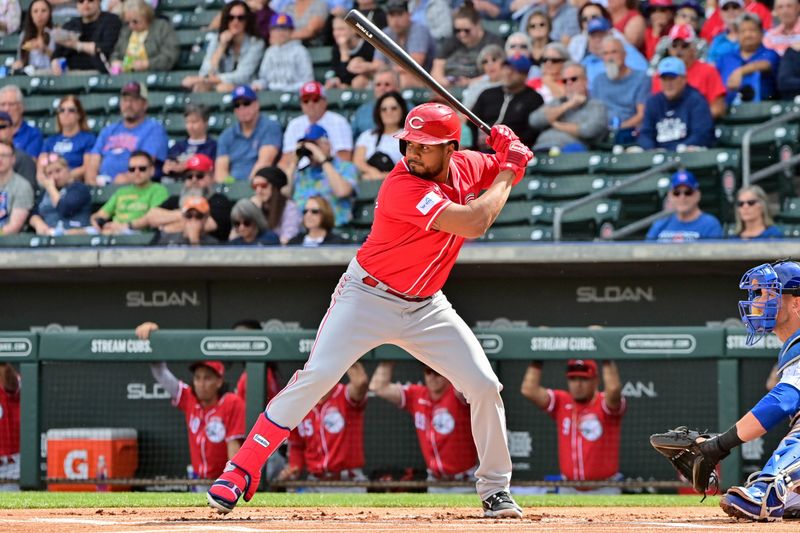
(500, 139)
(516, 160)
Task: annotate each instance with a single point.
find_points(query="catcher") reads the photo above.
(773, 305)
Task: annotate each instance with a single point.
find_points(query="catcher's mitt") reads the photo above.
(695, 463)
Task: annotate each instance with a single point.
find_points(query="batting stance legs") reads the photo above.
(360, 318)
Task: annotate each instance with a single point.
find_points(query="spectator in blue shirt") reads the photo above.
(749, 74)
(598, 29)
(753, 220)
(250, 225)
(386, 80)
(678, 116)
(789, 73)
(66, 203)
(317, 173)
(73, 139)
(688, 223)
(253, 142)
(197, 141)
(26, 137)
(107, 161)
(728, 40)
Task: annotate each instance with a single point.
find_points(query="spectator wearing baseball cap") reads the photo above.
(286, 65)
(718, 23)
(587, 450)
(684, 45)
(281, 213)
(197, 141)
(198, 181)
(686, 18)
(510, 103)
(317, 172)
(97, 33)
(661, 16)
(749, 72)
(107, 161)
(598, 29)
(232, 55)
(786, 34)
(688, 223)
(678, 117)
(214, 416)
(415, 39)
(252, 142)
(314, 105)
(195, 212)
(725, 39)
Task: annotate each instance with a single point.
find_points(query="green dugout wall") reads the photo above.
(701, 377)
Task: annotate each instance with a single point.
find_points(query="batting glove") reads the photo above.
(516, 160)
(500, 140)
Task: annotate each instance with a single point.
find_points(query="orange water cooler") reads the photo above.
(86, 453)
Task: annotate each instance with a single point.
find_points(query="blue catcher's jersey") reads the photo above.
(790, 352)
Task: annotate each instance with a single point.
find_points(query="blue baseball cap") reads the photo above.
(519, 62)
(243, 92)
(671, 66)
(684, 178)
(5, 117)
(314, 132)
(281, 20)
(598, 24)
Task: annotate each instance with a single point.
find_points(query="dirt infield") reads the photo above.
(323, 520)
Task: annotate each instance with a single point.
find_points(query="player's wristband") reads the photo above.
(729, 440)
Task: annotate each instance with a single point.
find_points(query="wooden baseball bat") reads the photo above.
(374, 36)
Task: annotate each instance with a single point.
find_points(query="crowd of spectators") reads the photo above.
(573, 76)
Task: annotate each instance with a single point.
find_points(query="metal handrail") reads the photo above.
(558, 213)
(633, 227)
(775, 168)
(748, 135)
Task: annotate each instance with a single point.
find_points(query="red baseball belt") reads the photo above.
(372, 282)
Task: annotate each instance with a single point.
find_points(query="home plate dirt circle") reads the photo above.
(342, 519)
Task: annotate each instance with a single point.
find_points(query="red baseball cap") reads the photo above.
(660, 3)
(200, 163)
(682, 32)
(581, 368)
(216, 366)
(312, 88)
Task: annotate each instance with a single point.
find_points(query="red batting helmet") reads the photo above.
(431, 124)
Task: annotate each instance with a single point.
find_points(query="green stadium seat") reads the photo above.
(79, 240)
(48, 125)
(158, 101)
(790, 211)
(59, 85)
(105, 83)
(100, 103)
(192, 58)
(24, 240)
(321, 55)
(213, 101)
(174, 123)
(417, 96)
(219, 121)
(135, 239)
(363, 215)
(169, 81)
(368, 190)
(100, 195)
(518, 234)
(718, 171)
(322, 73)
(191, 20)
(632, 163)
(177, 5)
(235, 191)
(271, 100)
(340, 99)
(570, 163)
(516, 213)
(190, 37)
(565, 187)
(790, 231)
(41, 105)
(502, 28)
(23, 82)
(753, 112)
(640, 199)
(9, 44)
(352, 234)
(585, 222)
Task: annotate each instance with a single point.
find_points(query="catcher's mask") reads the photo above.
(765, 284)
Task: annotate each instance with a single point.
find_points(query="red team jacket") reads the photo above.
(330, 438)
(588, 436)
(210, 429)
(443, 428)
(401, 250)
(9, 426)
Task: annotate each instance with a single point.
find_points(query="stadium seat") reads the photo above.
(363, 215)
(100, 195)
(191, 37)
(101, 103)
(79, 240)
(24, 240)
(502, 28)
(190, 20)
(790, 212)
(518, 234)
(631, 163)
(640, 199)
(570, 163)
(321, 55)
(417, 96)
(169, 81)
(9, 44)
(352, 234)
(585, 222)
(516, 213)
(165, 101)
(175, 124)
(213, 101)
(718, 172)
(790, 230)
(340, 99)
(113, 84)
(235, 191)
(565, 187)
(47, 125)
(219, 121)
(41, 105)
(136, 239)
(177, 5)
(753, 112)
(58, 85)
(368, 190)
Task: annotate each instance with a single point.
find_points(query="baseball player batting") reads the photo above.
(391, 293)
(772, 305)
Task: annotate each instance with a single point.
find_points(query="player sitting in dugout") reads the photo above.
(442, 420)
(329, 442)
(214, 417)
(588, 421)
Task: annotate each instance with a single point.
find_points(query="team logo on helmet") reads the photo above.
(416, 122)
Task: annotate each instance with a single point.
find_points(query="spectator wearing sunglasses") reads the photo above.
(726, 40)
(133, 201)
(282, 214)
(66, 203)
(753, 219)
(563, 17)
(146, 43)
(233, 55)
(687, 18)
(197, 141)
(717, 23)
(195, 212)
(252, 142)
(73, 140)
(318, 222)
(198, 180)
(598, 30)
(249, 226)
(688, 223)
(87, 40)
(548, 83)
(589, 448)
(539, 27)
(490, 61)
(677, 118)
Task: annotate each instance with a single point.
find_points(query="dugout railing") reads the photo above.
(701, 377)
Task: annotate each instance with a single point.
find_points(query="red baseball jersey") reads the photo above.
(331, 436)
(210, 429)
(444, 429)
(272, 385)
(402, 250)
(588, 435)
(9, 424)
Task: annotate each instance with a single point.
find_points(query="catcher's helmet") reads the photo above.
(765, 284)
(430, 124)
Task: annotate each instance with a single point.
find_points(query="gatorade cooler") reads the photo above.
(91, 453)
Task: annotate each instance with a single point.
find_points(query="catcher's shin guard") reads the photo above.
(243, 473)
